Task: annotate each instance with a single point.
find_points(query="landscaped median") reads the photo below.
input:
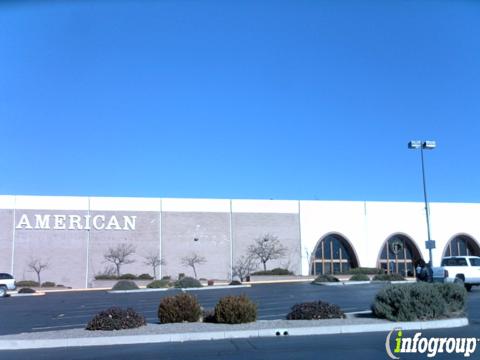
(186, 283)
(181, 318)
(360, 276)
(24, 288)
(179, 332)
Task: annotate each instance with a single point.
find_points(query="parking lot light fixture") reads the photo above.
(425, 145)
(415, 144)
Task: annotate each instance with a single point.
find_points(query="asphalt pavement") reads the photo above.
(369, 346)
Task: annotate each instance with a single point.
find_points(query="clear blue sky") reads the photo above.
(275, 99)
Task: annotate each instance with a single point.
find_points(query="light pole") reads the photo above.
(425, 145)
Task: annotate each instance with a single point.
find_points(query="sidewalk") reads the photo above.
(156, 333)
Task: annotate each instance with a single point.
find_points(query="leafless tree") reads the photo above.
(192, 261)
(266, 248)
(37, 265)
(154, 261)
(244, 266)
(120, 255)
(308, 254)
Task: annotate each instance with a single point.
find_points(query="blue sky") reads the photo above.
(240, 99)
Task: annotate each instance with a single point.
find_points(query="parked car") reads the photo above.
(463, 270)
(7, 283)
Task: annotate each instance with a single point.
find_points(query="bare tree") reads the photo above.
(120, 255)
(192, 261)
(37, 265)
(154, 261)
(266, 248)
(244, 266)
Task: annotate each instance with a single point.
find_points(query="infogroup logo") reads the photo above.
(428, 346)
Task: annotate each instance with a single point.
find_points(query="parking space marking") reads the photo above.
(58, 327)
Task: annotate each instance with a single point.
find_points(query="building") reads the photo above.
(72, 234)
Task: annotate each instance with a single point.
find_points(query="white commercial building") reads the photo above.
(73, 234)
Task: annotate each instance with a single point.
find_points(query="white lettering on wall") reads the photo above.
(76, 222)
(129, 222)
(24, 223)
(113, 224)
(42, 222)
(59, 223)
(95, 222)
(87, 222)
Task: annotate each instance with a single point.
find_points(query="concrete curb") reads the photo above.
(13, 344)
(216, 287)
(182, 289)
(136, 291)
(263, 282)
(38, 293)
(52, 291)
(60, 290)
(346, 283)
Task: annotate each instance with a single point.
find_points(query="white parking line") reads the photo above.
(89, 316)
(58, 327)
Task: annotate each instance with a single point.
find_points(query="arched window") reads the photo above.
(399, 255)
(333, 255)
(462, 245)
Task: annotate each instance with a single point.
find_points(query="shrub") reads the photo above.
(26, 290)
(127, 277)
(27, 283)
(181, 276)
(235, 310)
(208, 316)
(366, 271)
(125, 285)
(276, 271)
(145, 277)
(388, 277)
(359, 277)
(211, 282)
(315, 310)
(187, 282)
(235, 283)
(48, 284)
(180, 308)
(455, 296)
(156, 284)
(116, 318)
(168, 277)
(106, 277)
(325, 278)
(419, 301)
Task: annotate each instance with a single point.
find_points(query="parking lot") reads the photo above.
(57, 311)
(66, 310)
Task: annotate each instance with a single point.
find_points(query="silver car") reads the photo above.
(7, 282)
